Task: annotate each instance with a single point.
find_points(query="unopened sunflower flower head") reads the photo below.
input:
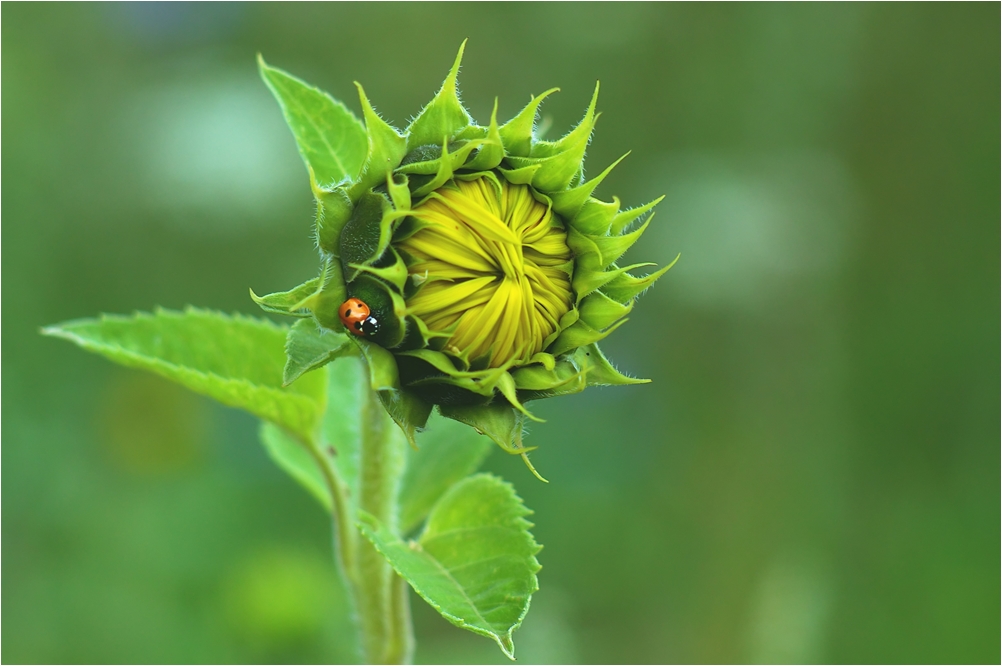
(470, 265)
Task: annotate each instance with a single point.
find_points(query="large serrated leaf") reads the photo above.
(237, 360)
(446, 452)
(475, 561)
(331, 139)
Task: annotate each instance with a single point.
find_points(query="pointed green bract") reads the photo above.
(599, 311)
(444, 116)
(289, 302)
(386, 147)
(625, 218)
(517, 133)
(308, 348)
(334, 208)
(330, 138)
(237, 360)
(499, 422)
(475, 560)
(625, 286)
(569, 202)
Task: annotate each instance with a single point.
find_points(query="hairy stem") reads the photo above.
(379, 595)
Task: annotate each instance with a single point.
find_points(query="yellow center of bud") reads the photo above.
(493, 267)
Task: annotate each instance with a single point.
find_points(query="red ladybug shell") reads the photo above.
(353, 313)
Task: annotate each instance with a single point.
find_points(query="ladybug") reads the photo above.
(357, 318)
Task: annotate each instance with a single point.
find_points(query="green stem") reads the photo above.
(380, 596)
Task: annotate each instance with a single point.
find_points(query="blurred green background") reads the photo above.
(813, 474)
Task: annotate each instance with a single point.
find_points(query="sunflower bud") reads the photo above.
(472, 266)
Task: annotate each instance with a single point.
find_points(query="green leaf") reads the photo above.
(308, 348)
(446, 452)
(475, 561)
(331, 139)
(342, 427)
(235, 359)
(292, 456)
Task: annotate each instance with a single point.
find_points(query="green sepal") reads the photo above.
(382, 366)
(491, 152)
(521, 175)
(334, 208)
(587, 256)
(426, 335)
(442, 362)
(362, 238)
(595, 253)
(330, 138)
(579, 335)
(548, 361)
(599, 311)
(308, 348)
(444, 116)
(624, 287)
(613, 247)
(501, 422)
(537, 378)
(324, 302)
(397, 184)
(596, 217)
(517, 133)
(407, 410)
(288, 302)
(506, 385)
(626, 217)
(585, 282)
(395, 272)
(447, 165)
(561, 160)
(386, 147)
(600, 371)
(569, 202)
(481, 383)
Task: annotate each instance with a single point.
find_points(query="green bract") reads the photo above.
(479, 250)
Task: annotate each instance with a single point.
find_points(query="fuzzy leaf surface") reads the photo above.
(447, 452)
(237, 360)
(308, 348)
(475, 561)
(292, 457)
(331, 139)
(341, 432)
